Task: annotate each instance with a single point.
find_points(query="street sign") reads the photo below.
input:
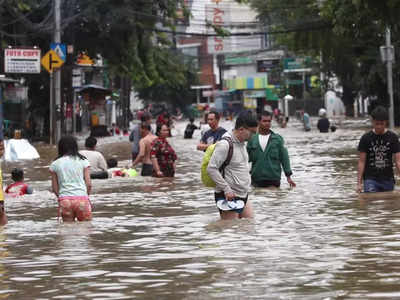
(60, 49)
(22, 60)
(51, 61)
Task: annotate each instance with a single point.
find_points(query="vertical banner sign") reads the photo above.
(19, 60)
(217, 14)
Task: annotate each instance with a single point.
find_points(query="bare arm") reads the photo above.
(88, 182)
(202, 146)
(397, 161)
(54, 183)
(156, 166)
(140, 156)
(361, 168)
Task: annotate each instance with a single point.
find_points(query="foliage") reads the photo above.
(124, 32)
(346, 35)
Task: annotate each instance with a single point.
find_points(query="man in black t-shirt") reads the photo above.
(212, 135)
(377, 149)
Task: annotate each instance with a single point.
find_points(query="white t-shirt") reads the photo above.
(263, 140)
(96, 160)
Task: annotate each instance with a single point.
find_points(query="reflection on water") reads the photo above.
(162, 239)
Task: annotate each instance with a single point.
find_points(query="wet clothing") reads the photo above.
(70, 176)
(373, 186)
(323, 125)
(190, 128)
(96, 160)
(212, 136)
(19, 189)
(379, 149)
(267, 165)
(75, 207)
(236, 177)
(147, 170)
(165, 155)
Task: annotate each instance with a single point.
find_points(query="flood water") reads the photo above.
(162, 239)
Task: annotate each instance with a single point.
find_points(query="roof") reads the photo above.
(94, 88)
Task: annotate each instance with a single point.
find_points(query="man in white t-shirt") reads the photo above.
(98, 165)
(268, 155)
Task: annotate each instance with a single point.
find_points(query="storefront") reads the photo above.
(255, 92)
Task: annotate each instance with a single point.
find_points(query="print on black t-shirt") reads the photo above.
(379, 149)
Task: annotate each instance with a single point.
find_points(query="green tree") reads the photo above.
(346, 35)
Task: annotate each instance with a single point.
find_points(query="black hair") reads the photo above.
(246, 119)
(380, 113)
(159, 131)
(145, 117)
(112, 163)
(264, 113)
(191, 120)
(17, 174)
(146, 127)
(91, 142)
(68, 145)
(216, 114)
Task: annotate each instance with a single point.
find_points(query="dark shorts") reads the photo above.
(147, 170)
(267, 183)
(218, 196)
(99, 175)
(372, 186)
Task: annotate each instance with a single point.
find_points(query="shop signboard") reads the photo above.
(22, 60)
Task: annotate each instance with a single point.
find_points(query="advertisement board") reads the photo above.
(22, 60)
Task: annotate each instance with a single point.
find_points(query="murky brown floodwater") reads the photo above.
(161, 239)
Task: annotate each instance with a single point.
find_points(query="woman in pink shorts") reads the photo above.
(70, 180)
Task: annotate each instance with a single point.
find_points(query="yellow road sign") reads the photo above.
(51, 61)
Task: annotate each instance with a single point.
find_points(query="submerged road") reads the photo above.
(162, 239)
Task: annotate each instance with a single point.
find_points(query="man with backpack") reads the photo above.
(232, 177)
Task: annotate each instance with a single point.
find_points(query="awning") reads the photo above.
(94, 88)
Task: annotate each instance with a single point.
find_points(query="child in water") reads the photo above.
(19, 187)
(114, 171)
(70, 180)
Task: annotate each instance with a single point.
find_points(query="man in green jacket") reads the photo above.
(268, 155)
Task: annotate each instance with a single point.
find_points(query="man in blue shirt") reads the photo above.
(212, 135)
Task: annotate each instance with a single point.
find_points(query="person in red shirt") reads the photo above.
(19, 187)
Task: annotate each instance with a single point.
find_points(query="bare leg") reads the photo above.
(247, 211)
(229, 215)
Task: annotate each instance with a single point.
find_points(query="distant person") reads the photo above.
(98, 164)
(70, 181)
(268, 155)
(162, 155)
(144, 151)
(134, 137)
(190, 128)
(19, 187)
(323, 124)
(306, 121)
(377, 148)
(233, 183)
(214, 134)
(3, 215)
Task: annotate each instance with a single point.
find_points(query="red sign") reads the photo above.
(17, 60)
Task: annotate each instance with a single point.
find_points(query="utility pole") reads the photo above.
(387, 55)
(57, 72)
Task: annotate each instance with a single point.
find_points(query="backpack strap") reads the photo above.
(228, 157)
